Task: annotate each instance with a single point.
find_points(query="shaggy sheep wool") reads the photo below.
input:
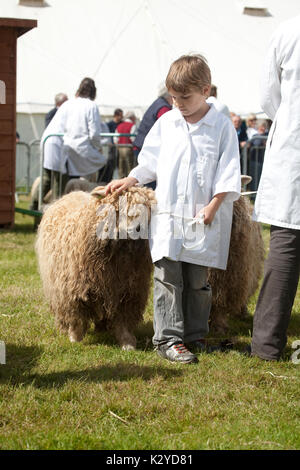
(88, 277)
(232, 289)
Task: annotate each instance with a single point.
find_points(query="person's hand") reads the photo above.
(207, 214)
(209, 211)
(120, 185)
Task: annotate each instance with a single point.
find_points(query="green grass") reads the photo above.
(91, 395)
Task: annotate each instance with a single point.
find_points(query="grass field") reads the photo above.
(92, 395)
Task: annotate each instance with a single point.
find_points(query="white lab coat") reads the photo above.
(53, 156)
(190, 166)
(80, 119)
(278, 199)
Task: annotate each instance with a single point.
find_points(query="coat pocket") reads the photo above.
(201, 163)
(205, 168)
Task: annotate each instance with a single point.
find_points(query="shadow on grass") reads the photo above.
(19, 228)
(121, 372)
(22, 359)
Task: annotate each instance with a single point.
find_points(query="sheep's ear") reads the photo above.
(245, 179)
(99, 191)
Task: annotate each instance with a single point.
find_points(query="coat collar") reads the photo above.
(209, 119)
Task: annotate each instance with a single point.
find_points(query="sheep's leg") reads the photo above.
(126, 339)
(78, 325)
(76, 333)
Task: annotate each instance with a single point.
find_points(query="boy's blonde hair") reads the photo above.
(189, 72)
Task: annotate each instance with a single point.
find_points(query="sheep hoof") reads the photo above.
(128, 347)
(74, 336)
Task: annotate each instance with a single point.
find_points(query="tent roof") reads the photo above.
(127, 48)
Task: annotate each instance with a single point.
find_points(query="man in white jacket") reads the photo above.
(278, 198)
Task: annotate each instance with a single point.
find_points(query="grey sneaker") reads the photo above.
(177, 353)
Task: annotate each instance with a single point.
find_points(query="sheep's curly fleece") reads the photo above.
(90, 279)
(232, 289)
(107, 281)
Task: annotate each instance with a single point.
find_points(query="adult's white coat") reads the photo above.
(52, 146)
(82, 142)
(278, 199)
(191, 165)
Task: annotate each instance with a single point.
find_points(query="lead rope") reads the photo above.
(192, 220)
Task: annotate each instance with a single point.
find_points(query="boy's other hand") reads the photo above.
(210, 210)
(120, 185)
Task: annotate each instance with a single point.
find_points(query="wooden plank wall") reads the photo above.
(8, 44)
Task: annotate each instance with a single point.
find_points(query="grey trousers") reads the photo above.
(277, 294)
(182, 302)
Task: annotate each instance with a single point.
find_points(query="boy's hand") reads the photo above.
(207, 213)
(120, 185)
(210, 210)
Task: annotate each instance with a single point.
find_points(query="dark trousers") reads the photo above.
(51, 180)
(105, 174)
(277, 294)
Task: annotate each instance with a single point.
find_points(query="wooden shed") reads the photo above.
(10, 30)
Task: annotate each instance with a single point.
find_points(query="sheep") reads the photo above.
(107, 281)
(231, 289)
(88, 277)
(80, 184)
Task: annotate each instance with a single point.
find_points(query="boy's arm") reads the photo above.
(227, 178)
(210, 210)
(145, 172)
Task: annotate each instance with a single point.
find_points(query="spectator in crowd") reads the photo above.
(59, 99)
(17, 137)
(106, 173)
(159, 107)
(257, 148)
(240, 127)
(116, 120)
(222, 108)
(251, 125)
(125, 149)
(278, 199)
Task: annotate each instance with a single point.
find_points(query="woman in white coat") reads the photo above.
(82, 128)
(278, 198)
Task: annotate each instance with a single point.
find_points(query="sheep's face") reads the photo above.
(125, 216)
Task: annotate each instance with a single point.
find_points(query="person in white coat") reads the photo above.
(192, 152)
(54, 168)
(82, 127)
(221, 107)
(278, 198)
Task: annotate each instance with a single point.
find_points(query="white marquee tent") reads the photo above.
(127, 46)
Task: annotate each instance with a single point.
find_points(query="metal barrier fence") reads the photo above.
(30, 159)
(252, 159)
(27, 165)
(23, 168)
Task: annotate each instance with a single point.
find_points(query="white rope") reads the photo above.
(192, 220)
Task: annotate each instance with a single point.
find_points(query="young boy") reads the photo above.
(192, 152)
